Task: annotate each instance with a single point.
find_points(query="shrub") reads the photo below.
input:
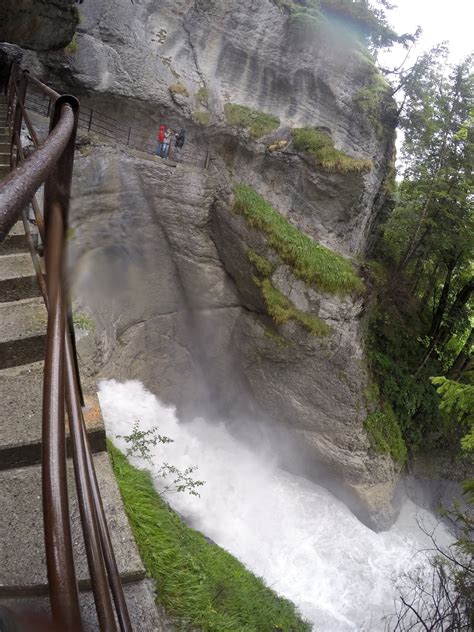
(197, 581)
(259, 123)
(385, 434)
(320, 146)
(178, 88)
(309, 261)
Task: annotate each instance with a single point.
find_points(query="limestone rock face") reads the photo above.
(38, 24)
(161, 264)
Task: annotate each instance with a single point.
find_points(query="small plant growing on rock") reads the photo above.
(259, 123)
(320, 146)
(202, 95)
(140, 444)
(71, 48)
(83, 321)
(178, 88)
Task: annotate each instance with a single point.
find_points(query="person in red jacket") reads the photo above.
(160, 138)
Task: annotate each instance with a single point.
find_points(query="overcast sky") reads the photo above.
(440, 20)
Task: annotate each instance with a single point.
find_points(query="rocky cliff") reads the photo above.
(200, 301)
(38, 24)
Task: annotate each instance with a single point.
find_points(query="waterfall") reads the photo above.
(303, 541)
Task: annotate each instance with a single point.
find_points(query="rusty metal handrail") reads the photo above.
(51, 163)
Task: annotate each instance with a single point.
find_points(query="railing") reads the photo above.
(104, 126)
(51, 164)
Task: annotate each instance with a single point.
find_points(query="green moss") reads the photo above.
(203, 118)
(262, 265)
(375, 101)
(281, 309)
(178, 88)
(259, 123)
(311, 262)
(385, 435)
(197, 582)
(71, 48)
(320, 146)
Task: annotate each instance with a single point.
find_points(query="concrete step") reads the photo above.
(14, 244)
(4, 171)
(22, 332)
(140, 598)
(21, 393)
(22, 556)
(15, 265)
(18, 289)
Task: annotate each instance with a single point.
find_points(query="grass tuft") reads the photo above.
(197, 582)
(320, 146)
(311, 262)
(259, 123)
(385, 434)
(281, 309)
(262, 265)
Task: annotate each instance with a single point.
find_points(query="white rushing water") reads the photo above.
(302, 540)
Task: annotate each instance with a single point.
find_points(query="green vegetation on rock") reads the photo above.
(203, 118)
(259, 123)
(178, 88)
(83, 321)
(197, 582)
(281, 309)
(71, 48)
(202, 95)
(262, 265)
(311, 262)
(385, 435)
(320, 146)
(376, 102)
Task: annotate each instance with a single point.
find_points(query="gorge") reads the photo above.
(226, 295)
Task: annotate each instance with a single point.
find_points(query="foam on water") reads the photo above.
(302, 540)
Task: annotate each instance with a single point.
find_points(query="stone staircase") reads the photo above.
(23, 581)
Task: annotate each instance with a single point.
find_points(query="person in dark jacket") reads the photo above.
(180, 138)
